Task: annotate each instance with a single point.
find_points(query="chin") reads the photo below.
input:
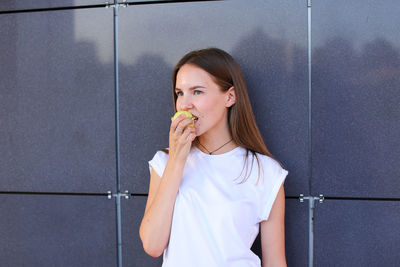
(198, 132)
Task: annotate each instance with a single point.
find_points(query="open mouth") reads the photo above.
(195, 118)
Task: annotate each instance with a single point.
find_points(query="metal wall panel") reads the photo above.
(296, 233)
(357, 233)
(356, 114)
(267, 38)
(40, 230)
(133, 254)
(57, 102)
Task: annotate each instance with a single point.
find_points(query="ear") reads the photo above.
(230, 97)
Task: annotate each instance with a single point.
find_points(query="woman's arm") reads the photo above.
(156, 223)
(273, 234)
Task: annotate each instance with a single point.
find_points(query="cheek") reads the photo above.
(213, 112)
(177, 104)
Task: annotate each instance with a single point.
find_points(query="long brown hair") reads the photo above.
(226, 73)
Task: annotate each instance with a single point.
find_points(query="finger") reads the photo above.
(192, 136)
(183, 124)
(187, 122)
(175, 122)
(185, 133)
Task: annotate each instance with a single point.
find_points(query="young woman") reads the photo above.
(217, 185)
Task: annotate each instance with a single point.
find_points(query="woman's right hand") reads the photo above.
(181, 136)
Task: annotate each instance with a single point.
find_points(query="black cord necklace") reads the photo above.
(215, 149)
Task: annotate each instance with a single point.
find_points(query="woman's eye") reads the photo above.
(179, 93)
(197, 92)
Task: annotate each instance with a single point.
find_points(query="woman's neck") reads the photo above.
(215, 144)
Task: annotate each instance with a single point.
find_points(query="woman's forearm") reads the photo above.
(156, 224)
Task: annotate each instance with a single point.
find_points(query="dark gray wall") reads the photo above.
(57, 124)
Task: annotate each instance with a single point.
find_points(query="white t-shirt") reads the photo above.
(216, 217)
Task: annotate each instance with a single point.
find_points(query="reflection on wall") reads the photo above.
(51, 97)
(180, 27)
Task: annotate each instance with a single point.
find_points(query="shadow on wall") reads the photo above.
(356, 116)
(270, 73)
(275, 69)
(349, 88)
(146, 109)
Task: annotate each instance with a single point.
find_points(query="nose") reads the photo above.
(184, 103)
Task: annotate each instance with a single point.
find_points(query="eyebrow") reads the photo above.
(191, 88)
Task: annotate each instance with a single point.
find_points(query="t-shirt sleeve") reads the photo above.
(158, 162)
(274, 176)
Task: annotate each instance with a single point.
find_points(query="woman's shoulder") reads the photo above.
(161, 154)
(269, 162)
(158, 162)
(266, 158)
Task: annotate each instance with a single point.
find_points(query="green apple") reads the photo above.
(187, 114)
